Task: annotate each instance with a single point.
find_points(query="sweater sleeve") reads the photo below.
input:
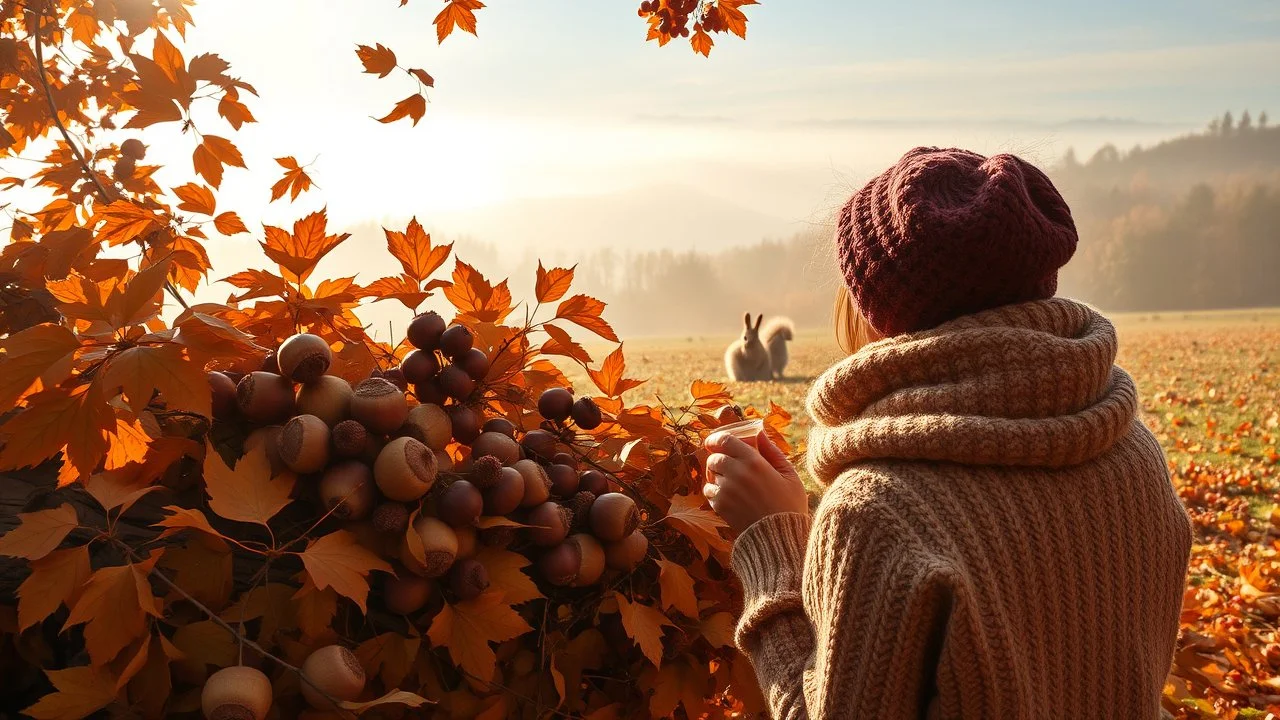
(842, 620)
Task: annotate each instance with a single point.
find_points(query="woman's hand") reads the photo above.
(745, 485)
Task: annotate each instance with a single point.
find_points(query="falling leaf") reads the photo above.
(55, 580)
(378, 60)
(644, 625)
(506, 575)
(423, 77)
(552, 284)
(414, 251)
(295, 180)
(395, 697)
(609, 377)
(212, 154)
(584, 311)
(248, 493)
(196, 198)
(228, 223)
(701, 42)
(413, 107)
(467, 628)
(79, 692)
(677, 588)
(39, 533)
(701, 526)
(338, 560)
(114, 605)
(459, 14)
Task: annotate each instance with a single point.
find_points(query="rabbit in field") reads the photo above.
(747, 359)
(780, 332)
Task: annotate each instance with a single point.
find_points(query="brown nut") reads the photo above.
(468, 579)
(264, 398)
(506, 494)
(304, 444)
(439, 544)
(405, 469)
(627, 553)
(327, 397)
(424, 330)
(379, 405)
(550, 523)
(429, 424)
(223, 389)
(460, 504)
(498, 445)
(304, 357)
(613, 517)
(347, 489)
(407, 594)
(335, 670)
(537, 486)
(236, 693)
(564, 480)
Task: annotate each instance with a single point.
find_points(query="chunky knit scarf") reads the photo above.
(999, 539)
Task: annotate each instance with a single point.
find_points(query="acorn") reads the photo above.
(554, 404)
(350, 439)
(564, 480)
(236, 693)
(537, 486)
(133, 148)
(586, 414)
(264, 398)
(429, 392)
(500, 425)
(506, 494)
(475, 363)
(407, 594)
(466, 423)
(424, 331)
(467, 539)
(394, 376)
(498, 445)
(439, 543)
(335, 670)
(580, 507)
(539, 444)
(419, 366)
(613, 517)
(484, 471)
(268, 438)
(460, 504)
(347, 489)
(405, 469)
(429, 424)
(391, 517)
(327, 397)
(304, 444)
(551, 523)
(223, 389)
(304, 357)
(455, 341)
(577, 562)
(379, 405)
(456, 383)
(594, 482)
(564, 458)
(627, 553)
(468, 579)
(444, 461)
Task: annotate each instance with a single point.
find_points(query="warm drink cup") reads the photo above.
(748, 431)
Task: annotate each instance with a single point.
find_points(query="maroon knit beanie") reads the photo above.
(945, 233)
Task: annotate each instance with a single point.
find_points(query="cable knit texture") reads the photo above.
(999, 538)
(947, 232)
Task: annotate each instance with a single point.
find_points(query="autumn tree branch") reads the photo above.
(66, 136)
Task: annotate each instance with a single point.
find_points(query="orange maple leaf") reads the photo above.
(76, 420)
(114, 606)
(552, 284)
(609, 377)
(506, 575)
(79, 692)
(377, 60)
(299, 252)
(701, 42)
(196, 198)
(474, 297)
(337, 560)
(701, 526)
(55, 580)
(734, 19)
(584, 311)
(232, 110)
(39, 533)
(414, 250)
(561, 344)
(393, 697)
(458, 13)
(248, 493)
(122, 221)
(27, 355)
(412, 107)
(401, 287)
(142, 370)
(644, 625)
(228, 223)
(390, 656)
(212, 154)
(467, 628)
(295, 180)
(677, 588)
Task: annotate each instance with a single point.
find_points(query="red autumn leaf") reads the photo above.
(208, 337)
(212, 154)
(39, 533)
(677, 588)
(701, 42)
(55, 580)
(553, 284)
(734, 19)
(458, 13)
(561, 344)
(700, 525)
(142, 370)
(337, 560)
(141, 298)
(295, 180)
(248, 493)
(413, 107)
(644, 625)
(709, 394)
(300, 251)
(609, 377)
(467, 628)
(127, 443)
(76, 420)
(259, 284)
(28, 354)
(377, 60)
(196, 198)
(584, 311)
(414, 251)
(113, 607)
(78, 692)
(181, 518)
(228, 223)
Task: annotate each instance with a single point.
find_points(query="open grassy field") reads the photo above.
(1210, 387)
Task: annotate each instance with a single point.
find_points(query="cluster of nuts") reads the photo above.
(379, 458)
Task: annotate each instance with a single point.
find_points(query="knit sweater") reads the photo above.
(999, 539)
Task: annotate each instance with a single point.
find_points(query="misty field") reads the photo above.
(1210, 387)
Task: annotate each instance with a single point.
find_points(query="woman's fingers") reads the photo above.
(723, 442)
(720, 465)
